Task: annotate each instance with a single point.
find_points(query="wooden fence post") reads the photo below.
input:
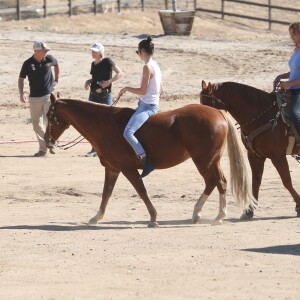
(70, 8)
(142, 5)
(270, 15)
(18, 10)
(195, 4)
(166, 4)
(222, 9)
(119, 5)
(45, 9)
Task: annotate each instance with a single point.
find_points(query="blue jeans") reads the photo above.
(141, 115)
(101, 98)
(295, 108)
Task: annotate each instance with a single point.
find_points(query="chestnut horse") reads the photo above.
(263, 133)
(169, 138)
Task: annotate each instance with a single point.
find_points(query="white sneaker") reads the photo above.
(92, 153)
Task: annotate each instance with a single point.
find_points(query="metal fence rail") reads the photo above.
(264, 9)
(22, 9)
(268, 5)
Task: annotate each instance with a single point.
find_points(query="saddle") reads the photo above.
(283, 99)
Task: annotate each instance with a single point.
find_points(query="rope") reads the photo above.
(28, 141)
(116, 101)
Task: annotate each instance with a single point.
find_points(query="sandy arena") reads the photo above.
(47, 249)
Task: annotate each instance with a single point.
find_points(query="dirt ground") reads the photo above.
(47, 249)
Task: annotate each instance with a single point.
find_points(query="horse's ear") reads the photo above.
(52, 98)
(209, 87)
(58, 95)
(204, 85)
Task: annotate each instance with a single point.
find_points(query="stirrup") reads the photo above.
(147, 167)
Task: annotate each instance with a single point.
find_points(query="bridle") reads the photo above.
(214, 100)
(53, 118)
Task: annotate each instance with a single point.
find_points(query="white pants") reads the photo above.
(39, 107)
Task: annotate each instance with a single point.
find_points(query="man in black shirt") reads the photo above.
(41, 83)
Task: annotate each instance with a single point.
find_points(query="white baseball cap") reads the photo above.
(39, 45)
(98, 48)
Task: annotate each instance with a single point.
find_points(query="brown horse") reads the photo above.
(169, 138)
(263, 134)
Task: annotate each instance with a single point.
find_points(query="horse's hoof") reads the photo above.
(152, 225)
(196, 219)
(217, 222)
(298, 210)
(247, 215)
(93, 221)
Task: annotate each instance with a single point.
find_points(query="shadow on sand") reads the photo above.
(100, 226)
(117, 225)
(281, 249)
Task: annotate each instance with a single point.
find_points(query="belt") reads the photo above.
(102, 91)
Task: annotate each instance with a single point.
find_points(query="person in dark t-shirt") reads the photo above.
(41, 83)
(100, 83)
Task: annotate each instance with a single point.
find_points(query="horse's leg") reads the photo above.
(257, 168)
(134, 177)
(198, 208)
(213, 177)
(282, 168)
(222, 210)
(111, 177)
(222, 186)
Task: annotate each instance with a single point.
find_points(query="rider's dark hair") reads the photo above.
(147, 45)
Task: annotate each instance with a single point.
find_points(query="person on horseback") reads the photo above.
(149, 93)
(293, 76)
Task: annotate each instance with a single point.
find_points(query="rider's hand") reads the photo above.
(122, 92)
(285, 85)
(276, 83)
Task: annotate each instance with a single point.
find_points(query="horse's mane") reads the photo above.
(252, 95)
(92, 106)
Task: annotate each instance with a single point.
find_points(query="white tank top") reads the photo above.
(153, 91)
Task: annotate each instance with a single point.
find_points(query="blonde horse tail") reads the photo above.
(240, 183)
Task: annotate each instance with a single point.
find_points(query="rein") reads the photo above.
(248, 139)
(80, 138)
(253, 119)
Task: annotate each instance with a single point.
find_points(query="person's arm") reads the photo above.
(118, 74)
(21, 90)
(116, 77)
(288, 84)
(56, 72)
(142, 90)
(161, 89)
